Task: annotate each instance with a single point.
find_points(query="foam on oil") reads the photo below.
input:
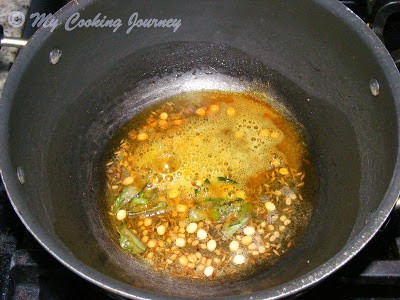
(238, 144)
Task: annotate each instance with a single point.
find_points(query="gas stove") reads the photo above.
(27, 271)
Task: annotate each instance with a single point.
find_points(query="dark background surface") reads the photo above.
(27, 271)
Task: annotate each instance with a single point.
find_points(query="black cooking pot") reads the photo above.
(323, 63)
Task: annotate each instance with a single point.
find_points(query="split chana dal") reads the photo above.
(209, 184)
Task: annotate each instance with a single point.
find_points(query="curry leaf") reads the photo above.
(215, 213)
(229, 229)
(223, 207)
(227, 180)
(245, 208)
(197, 214)
(219, 200)
(160, 208)
(124, 198)
(130, 242)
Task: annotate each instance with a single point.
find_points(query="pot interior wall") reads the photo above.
(62, 120)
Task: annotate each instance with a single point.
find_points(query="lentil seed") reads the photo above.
(173, 193)
(183, 260)
(201, 234)
(142, 136)
(191, 228)
(246, 240)
(163, 123)
(164, 116)
(252, 246)
(128, 180)
(151, 244)
(181, 208)
(211, 245)
(121, 214)
(208, 271)
(192, 258)
(249, 230)
(234, 246)
(201, 112)
(270, 206)
(239, 259)
(147, 222)
(214, 108)
(230, 111)
(180, 242)
(161, 230)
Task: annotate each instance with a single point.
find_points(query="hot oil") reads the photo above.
(198, 146)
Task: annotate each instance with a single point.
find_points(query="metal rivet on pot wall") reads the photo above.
(374, 86)
(20, 175)
(54, 56)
